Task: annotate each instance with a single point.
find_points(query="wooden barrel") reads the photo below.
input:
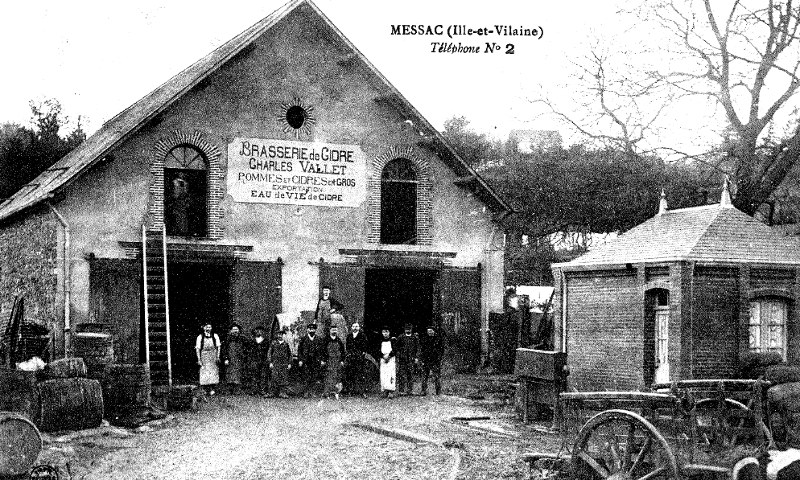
(96, 349)
(70, 404)
(20, 444)
(65, 368)
(18, 393)
(126, 385)
(182, 397)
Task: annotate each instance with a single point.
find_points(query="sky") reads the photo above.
(99, 57)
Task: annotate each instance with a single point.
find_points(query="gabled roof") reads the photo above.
(129, 121)
(707, 234)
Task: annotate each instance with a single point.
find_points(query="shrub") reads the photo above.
(754, 365)
(779, 374)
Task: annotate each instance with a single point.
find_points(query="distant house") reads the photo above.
(527, 141)
(681, 296)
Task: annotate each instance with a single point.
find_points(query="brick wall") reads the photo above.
(28, 266)
(715, 322)
(604, 330)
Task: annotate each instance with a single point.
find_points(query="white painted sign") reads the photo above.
(297, 173)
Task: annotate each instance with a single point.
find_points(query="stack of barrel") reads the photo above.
(93, 343)
(126, 385)
(67, 399)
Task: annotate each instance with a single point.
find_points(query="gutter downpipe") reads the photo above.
(67, 285)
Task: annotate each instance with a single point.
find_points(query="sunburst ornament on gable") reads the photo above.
(297, 117)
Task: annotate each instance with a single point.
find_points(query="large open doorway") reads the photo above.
(198, 292)
(395, 296)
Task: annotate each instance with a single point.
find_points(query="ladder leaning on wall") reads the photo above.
(156, 306)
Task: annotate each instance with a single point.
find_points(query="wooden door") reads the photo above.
(256, 295)
(461, 315)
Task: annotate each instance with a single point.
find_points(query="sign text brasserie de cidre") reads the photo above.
(297, 173)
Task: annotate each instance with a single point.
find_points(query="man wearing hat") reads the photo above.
(326, 306)
(332, 362)
(280, 361)
(407, 351)
(430, 357)
(309, 356)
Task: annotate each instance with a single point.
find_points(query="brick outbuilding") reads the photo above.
(681, 296)
(280, 162)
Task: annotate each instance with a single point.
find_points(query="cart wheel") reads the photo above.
(724, 418)
(622, 445)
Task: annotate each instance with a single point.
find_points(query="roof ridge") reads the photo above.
(126, 123)
(711, 219)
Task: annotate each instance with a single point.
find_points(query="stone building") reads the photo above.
(681, 296)
(280, 162)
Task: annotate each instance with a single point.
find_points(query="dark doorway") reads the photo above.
(395, 296)
(198, 292)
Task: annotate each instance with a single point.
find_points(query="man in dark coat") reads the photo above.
(356, 367)
(407, 351)
(280, 361)
(309, 356)
(325, 307)
(430, 357)
(259, 355)
(332, 362)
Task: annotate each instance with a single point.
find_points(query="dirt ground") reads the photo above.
(247, 437)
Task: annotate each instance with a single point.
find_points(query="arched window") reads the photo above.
(767, 326)
(399, 202)
(186, 192)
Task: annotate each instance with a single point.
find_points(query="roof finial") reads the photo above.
(662, 205)
(725, 199)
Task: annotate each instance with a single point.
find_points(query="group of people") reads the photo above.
(327, 364)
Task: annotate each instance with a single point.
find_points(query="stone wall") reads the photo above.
(29, 267)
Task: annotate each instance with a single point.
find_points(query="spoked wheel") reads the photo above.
(622, 445)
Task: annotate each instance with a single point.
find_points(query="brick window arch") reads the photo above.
(404, 171)
(190, 158)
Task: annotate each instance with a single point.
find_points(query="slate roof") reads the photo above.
(706, 234)
(115, 131)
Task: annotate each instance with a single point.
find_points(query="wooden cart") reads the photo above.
(683, 430)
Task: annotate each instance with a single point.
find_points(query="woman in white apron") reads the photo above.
(388, 367)
(207, 349)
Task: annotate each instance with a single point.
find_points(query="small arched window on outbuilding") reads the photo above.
(767, 327)
(186, 192)
(399, 202)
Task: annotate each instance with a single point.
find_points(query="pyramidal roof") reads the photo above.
(707, 234)
(125, 124)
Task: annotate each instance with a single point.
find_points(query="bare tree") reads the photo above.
(741, 56)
